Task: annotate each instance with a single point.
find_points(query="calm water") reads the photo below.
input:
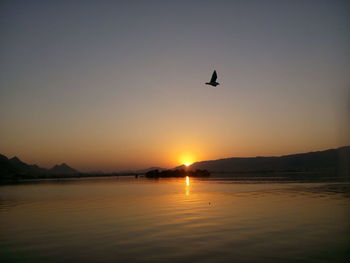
(169, 220)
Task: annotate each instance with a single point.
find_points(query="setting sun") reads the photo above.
(186, 160)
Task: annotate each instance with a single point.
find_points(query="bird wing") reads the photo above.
(214, 77)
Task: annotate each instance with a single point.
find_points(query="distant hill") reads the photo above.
(14, 167)
(23, 168)
(62, 169)
(6, 168)
(336, 161)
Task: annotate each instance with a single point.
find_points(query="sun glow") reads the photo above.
(186, 160)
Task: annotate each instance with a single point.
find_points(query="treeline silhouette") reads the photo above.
(177, 173)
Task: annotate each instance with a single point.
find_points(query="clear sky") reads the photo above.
(111, 85)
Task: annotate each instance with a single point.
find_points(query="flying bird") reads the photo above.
(213, 80)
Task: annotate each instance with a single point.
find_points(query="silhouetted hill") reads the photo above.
(23, 168)
(15, 168)
(336, 161)
(62, 169)
(6, 168)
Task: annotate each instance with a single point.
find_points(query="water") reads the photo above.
(171, 220)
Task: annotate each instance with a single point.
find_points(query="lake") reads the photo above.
(125, 219)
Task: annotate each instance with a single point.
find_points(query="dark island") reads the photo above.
(177, 173)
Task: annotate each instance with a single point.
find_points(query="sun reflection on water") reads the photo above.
(187, 185)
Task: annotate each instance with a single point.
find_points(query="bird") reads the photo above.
(213, 80)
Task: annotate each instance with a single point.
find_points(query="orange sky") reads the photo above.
(113, 86)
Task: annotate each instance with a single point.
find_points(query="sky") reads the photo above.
(117, 85)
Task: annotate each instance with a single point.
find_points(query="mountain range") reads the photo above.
(332, 161)
(14, 167)
(335, 161)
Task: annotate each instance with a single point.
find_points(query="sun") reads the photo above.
(186, 160)
(187, 164)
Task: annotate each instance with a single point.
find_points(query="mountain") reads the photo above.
(62, 169)
(6, 168)
(15, 168)
(336, 161)
(23, 168)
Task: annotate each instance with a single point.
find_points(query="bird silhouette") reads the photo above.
(213, 80)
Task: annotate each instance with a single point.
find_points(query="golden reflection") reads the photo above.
(187, 185)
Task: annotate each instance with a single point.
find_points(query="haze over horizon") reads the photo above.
(105, 85)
